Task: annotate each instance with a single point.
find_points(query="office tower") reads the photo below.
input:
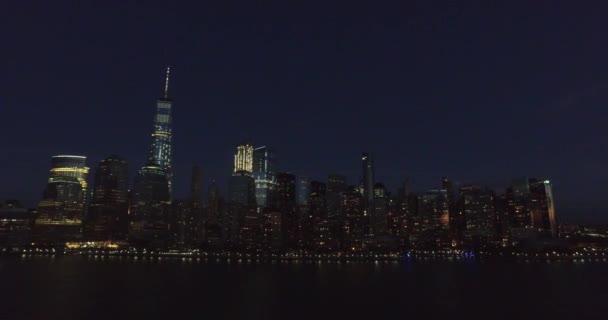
(243, 159)
(195, 187)
(367, 162)
(194, 223)
(502, 217)
(61, 210)
(316, 225)
(187, 215)
(519, 210)
(354, 221)
(542, 208)
(15, 224)
(303, 191)
(285, 199)
(478, 208)
(69, 166)
(107, 218)
(161, 147)
(150, 218)
(286, 191)
(456, 220)
(181, 210)
(432, 226)
(398, 218)
(150, 209)
(242, 218)
(213, 218)
(272, 230)
(264, 173)
(336, 184)
(379, 221)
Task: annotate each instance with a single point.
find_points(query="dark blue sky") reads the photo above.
(478, 93)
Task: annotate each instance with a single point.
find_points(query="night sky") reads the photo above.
(480, 94)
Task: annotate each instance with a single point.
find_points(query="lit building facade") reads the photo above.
(61, 210)
(243, 159)
(69, 166)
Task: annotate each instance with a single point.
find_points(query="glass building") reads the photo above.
(264, 173)
(542, 207)
(336, 185)
(149, 214)
(286, 204)
(367, 162)
(242, 218)
(379, 222)
(161, 147)
(303, 191)
(107, 218)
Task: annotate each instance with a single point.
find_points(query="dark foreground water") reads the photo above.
(121, 288)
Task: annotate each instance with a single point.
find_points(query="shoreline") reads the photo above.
(230, 257)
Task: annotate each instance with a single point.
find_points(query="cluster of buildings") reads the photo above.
(268, 210)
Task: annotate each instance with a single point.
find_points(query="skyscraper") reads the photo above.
(241, 223)
(478, 209)
(303, 191)
(61, 210)
(336, 185)
(379, 222)
(355, 224)
(195, 187)
(542, 208)
(285, 201)
(107, 216)
(432, 225)
(152, 190)
(243, 158)
(149, 220)
(214, 217)
(187, 215)
(69, 166)
(367, 162)
(264, 173)
(161, 148)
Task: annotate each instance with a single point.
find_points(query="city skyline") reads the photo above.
(424, 108)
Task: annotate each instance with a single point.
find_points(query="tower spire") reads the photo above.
(166, 89)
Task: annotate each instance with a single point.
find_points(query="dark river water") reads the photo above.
(123, 288)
